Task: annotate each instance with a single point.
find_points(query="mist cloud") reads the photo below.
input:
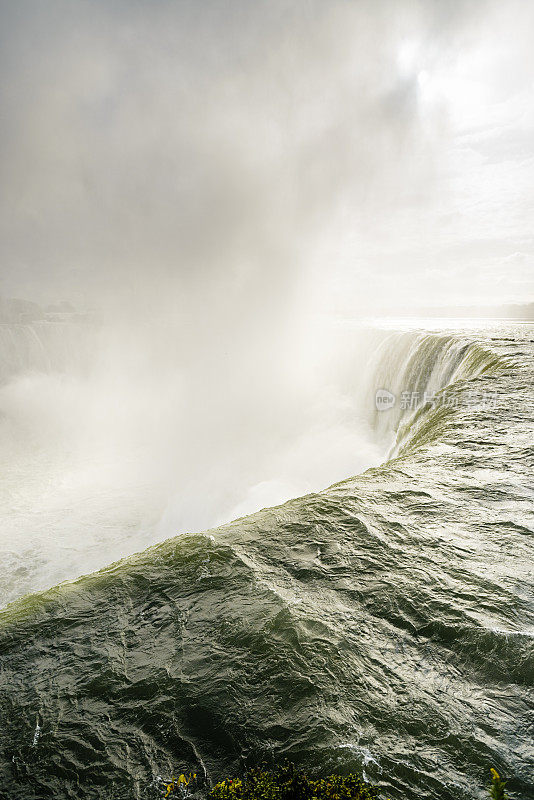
(199, 151)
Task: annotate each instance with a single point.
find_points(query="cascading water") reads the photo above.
(415, 367)
(105, 454)
(42, 347)
(79, 451)
(384, 624)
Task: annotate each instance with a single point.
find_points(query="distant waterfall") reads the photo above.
(41, 346)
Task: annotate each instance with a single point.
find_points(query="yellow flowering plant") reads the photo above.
(497, 786)
(178, 786)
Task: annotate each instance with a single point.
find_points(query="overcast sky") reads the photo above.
(343, 155)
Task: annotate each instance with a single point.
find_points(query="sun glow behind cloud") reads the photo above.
(359, 156)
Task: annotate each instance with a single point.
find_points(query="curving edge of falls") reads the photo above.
(384, 624)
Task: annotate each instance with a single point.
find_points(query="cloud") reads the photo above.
(172, 153)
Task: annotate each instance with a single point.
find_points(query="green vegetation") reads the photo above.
(497, 786)
(285, 783)
(289, 783)
(178, 786)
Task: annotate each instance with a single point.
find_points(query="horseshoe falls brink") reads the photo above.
(384, 624)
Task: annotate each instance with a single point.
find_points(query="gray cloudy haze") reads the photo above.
(342, 156)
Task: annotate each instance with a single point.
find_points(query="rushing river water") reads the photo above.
(384, 624)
